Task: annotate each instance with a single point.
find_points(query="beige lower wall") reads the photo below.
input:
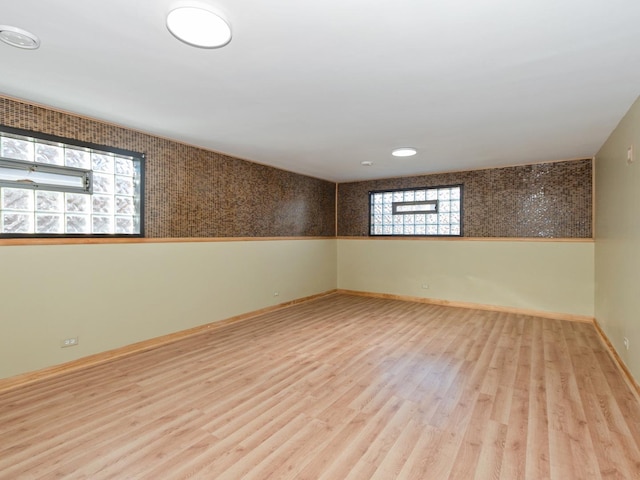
(554, 277)
(112, 295)
(118, 294)
(617, 249)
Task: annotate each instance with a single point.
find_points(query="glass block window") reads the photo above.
(432, 211)
(51, 186)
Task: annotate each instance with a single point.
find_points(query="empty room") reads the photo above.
(285, 240)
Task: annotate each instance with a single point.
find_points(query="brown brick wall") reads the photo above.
(191, 192)
(549, 200)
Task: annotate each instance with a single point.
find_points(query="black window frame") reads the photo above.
(420, 235)
(137, 156)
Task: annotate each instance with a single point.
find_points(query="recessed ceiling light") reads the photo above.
(404, 152)
(198, 27)
(16, 37)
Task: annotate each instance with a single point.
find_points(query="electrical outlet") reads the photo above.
(275, 294)
(425, 286)
(69, 342)
(626, 343)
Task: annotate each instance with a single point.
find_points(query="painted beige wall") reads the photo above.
(552, 277)
(617, 249)
(117, 294)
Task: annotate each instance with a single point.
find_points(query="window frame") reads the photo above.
(137, 157)
(419, 235)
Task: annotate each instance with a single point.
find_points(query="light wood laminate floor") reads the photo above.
(342, 387)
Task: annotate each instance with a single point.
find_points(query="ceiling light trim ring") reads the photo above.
(199, 27)
(19, 38)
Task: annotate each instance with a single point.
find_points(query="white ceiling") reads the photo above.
(317, 87)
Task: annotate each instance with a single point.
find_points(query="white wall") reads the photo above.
(617, 250)
(555, 277)
(118, 294)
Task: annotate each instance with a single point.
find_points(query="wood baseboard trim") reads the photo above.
(103, 357)
(475, 306)
(626, 373)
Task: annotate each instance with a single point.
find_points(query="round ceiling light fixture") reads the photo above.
(404, 152)
(198, 27)
(17, 37)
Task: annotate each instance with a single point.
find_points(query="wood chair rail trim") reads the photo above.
(9, 242)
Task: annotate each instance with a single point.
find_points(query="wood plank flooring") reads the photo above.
(342, 387)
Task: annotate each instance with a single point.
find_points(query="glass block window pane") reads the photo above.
(124, 166)
(16, 148)
(102, 183)
(78, 224)
(124, 186)
(102, 162)
(15, 222)
(125, 206)
(103, 204)
(17, 199)
(51, 154)
(49, 223)
(124, 224)
(112, 184)
(49, 201)
(102, 224)
(424, 211)
(77, 158)
(78, 202)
